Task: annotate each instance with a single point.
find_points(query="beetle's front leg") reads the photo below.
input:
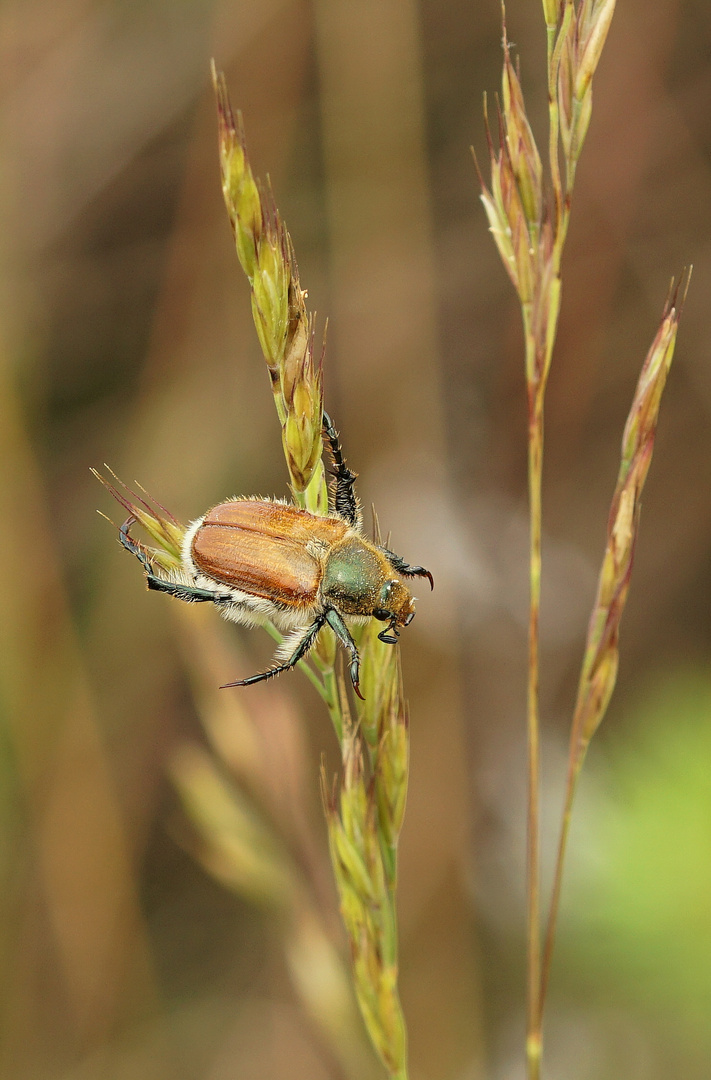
(345, 500)
(302, 647)
(335, 621)
(404, 568)
(189, 593)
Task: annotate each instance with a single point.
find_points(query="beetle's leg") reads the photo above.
(404, 568)
(335, 621)
(305, 643)
(189, 593)
(346, 503)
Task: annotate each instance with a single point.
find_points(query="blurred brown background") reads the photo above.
(127, 338)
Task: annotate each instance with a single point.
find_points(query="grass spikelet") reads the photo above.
(155, 519)
(241, 850)
(600, 663)
(384, 722)
(364, 821)
(366, 883)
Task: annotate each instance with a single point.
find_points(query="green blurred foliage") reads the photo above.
(638, 901)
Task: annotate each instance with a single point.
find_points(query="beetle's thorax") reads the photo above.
(354, 575)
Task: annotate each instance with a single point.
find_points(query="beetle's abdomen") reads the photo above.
(260, 548)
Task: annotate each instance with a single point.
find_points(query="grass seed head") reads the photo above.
(525, 159)
(283, 326)
(158, 522)
(238, 847)
(552, 10)
(594, 20)
(599, 671)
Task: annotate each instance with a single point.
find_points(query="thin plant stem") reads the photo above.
(535, 462)
(570, 787)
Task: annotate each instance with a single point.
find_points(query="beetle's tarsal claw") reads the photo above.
(354, 672)
(125, 534)
(136, 549)
(356, 686)
(429, 577)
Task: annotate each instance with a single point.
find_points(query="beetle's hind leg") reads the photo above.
(189, 593)
(404, 568)
(346, 503)
(303, 645)
(334, 620)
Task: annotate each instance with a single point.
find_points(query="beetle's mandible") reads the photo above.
(260, 559)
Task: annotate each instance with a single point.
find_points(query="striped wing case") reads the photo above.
(260, 548)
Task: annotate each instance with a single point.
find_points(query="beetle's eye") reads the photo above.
(383, 611)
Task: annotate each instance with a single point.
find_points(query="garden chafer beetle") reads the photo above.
(262, 559)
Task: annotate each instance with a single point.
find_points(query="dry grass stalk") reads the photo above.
(530, 231)
(529, 228)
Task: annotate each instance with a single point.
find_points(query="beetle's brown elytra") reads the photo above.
(272, 554)
(260, 559)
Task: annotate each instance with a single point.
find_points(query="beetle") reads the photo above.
(265, 559)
